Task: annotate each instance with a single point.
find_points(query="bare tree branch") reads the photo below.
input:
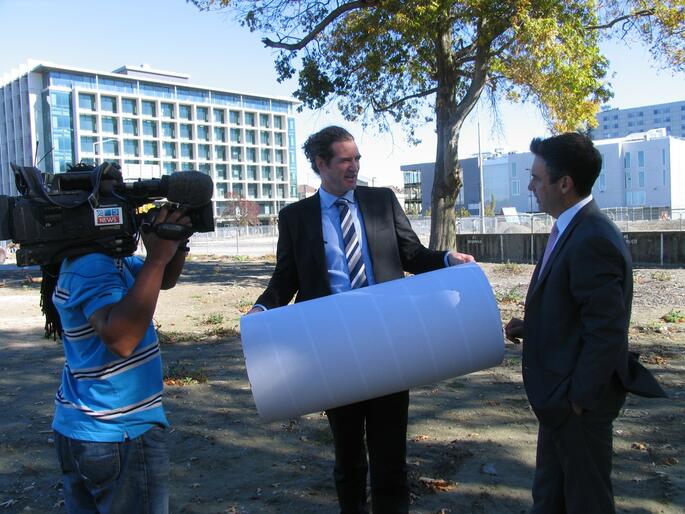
(378, 109)
(350, 6)
(625, 17)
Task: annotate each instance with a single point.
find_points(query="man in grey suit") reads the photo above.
(343, 237)
(576, 363)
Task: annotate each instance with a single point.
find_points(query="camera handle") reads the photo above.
(172, 231)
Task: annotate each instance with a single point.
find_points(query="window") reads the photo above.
(663, 156)
(149, 108)
(251, 155)
(251, 172)
(252, 190)
(203, 132)
(109, 125)
(221, 191)
(220, 171)
(86, 101)
(515, 187)
(186, 151)
(129, 106)
(626, 160)
(264, 120)
(167, 110)
(129, 126)
(250, 119)
(168, 130)
(280, 174)
(220, 134)
(184, 112)
(280, 191)
(149, 128)
(87, 122)
(628, 183)
(236, 136)
(203, 152)
(219, 116)
(236, 172)
(108, 104)
(266, 172)
(640, 159)
(205, 168)
(278, 139)
(110, 147)
(641, 179)
(237, 190)
(220, 153)
(87, 144)
(280, 156)
(150, 148)
(278, 122)
(265, 137)
(169, 150)
(513, 170)
(234, 117)
(266, 155)
(602, 181)
(250, 137)
(169, 168)
(185, 131)
(131, 148)
(267, 190)
(236, 154)
(202, 113)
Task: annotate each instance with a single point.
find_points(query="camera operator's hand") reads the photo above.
(159, 249)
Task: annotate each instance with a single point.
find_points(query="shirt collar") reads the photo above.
(327, 199)
(565, 218)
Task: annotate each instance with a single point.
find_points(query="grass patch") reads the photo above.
(674, 316)
(244, 305)
(511, 296)
(510, 268)
(213, 319)
(179, 374)
(661, 276)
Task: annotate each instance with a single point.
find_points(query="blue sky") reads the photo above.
(215, 51)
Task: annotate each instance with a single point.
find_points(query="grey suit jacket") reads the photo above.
(301, 267)
(576, 321)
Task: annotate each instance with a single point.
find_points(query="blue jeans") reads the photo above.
(131, 477)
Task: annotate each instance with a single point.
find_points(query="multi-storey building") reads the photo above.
(151, 122)
(642, 170)
(613, 123)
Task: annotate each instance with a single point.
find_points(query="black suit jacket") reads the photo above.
(576, 321)
(301, 266)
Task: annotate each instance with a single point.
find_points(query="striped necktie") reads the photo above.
(353, 248)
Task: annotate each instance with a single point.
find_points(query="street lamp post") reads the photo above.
(101, 143)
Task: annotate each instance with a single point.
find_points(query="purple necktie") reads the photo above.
(554, 233)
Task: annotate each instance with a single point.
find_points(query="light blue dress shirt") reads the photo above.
(336, 263)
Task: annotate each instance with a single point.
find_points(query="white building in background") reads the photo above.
(151, 122)
(645, 169)
(613, 123)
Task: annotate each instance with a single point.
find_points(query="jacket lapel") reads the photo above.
(313, 233)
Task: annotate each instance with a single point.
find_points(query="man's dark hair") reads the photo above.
(319, 144)
(571, 154)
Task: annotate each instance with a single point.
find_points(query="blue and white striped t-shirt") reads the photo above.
(103, 397)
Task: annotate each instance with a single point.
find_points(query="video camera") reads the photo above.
(91, 209)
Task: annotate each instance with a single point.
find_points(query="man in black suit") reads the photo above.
(576, 363)
(312, 261)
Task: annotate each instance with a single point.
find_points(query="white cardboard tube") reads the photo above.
(377, 340)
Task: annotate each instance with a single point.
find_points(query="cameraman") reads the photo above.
(110, 427)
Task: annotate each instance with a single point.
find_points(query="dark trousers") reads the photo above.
(573, 464)
(385, 420)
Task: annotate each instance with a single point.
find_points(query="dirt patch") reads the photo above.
(471, 439)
